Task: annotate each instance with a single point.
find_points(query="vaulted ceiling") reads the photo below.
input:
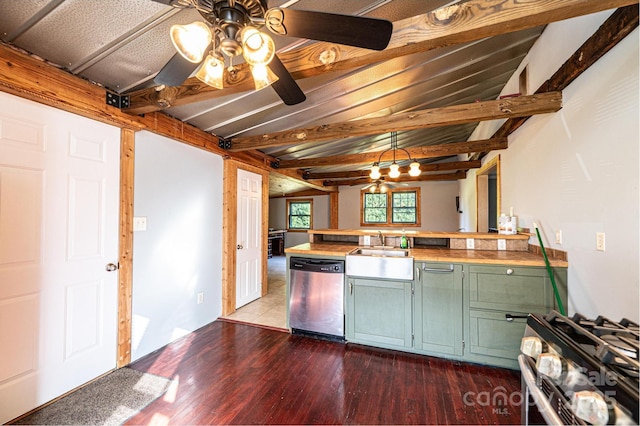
(442, 54)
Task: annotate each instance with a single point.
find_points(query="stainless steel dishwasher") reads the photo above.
(316, 297)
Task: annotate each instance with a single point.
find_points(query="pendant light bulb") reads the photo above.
(191, 40)
(262, 76)
(257, 48)
(211, 71)
(414, 169)
(394, 171)
(375, 172)
(372, 188)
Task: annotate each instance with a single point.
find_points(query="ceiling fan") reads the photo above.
(234, 29)
(378, 186)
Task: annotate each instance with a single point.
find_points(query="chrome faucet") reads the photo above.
(381, 237)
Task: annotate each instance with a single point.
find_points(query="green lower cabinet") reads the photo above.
(474, 313)
(379, 312)
(498, 301)
(438, 308)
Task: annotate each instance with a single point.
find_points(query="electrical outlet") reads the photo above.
(200, 298)
(600, 241)
(558, 237)
(502, 244)
(366, 240)
(140, 223)
(470, 243)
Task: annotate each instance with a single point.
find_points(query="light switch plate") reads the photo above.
(502, 244)
(600, 245)
(140, 223)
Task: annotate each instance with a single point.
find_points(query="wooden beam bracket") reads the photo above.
(224, 143)
(116, 100)
(275, 164)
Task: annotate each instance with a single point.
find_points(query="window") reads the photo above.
(398, 207)
(299, 215)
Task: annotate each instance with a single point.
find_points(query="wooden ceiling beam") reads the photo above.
(455, 24)
(310, 183)
(430, 151)
(421, 178)
(433, 167)
(435, 117)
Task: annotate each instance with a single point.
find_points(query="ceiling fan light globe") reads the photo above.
(191, 40)
(262, 76)
(257, 48)
(211, 72)
(383, 189)
(394, 171)
(414, 169)
(372, 188)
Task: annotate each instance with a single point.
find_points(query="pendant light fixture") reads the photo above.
(394, 168)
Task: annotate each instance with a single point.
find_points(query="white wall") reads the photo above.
(178, 189)
(577, 170)
(278, 217)
(437, 207)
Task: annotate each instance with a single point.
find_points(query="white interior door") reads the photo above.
(59, 177)
(249, 238)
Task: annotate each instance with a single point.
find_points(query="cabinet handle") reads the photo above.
(438, 270)
(417, 273)
(350, 287)
(509, 271)
(510, 317)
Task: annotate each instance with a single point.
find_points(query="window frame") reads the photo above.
(297, 201)
(389, 222)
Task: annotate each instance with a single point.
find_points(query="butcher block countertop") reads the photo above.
(423, 234)
(487, 257)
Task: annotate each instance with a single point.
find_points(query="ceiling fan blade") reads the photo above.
(355, 31)
(176, 71)
(286, 87)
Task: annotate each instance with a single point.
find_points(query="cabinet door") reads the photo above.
(491, 333)
(379, 312)
(438, 308)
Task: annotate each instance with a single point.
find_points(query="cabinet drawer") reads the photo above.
(508, 288)
(490, 333)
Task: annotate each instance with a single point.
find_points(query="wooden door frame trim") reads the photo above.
(125, 246)
(229, 227)
(484, 171)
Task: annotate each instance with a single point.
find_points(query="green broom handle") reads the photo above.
(550, 272)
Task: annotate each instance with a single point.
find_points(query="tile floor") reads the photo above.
(270, 310)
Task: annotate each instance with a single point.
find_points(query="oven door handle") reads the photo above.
(544, 406)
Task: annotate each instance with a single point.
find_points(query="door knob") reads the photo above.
(111, 267)
(239, 247)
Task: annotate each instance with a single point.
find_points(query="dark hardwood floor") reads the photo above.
(230, 373)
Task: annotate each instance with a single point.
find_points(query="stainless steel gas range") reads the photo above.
(579, 371)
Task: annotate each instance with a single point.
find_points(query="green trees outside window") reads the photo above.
(299, 215)
(394, 207)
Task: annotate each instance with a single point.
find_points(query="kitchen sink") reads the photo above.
(380, 251)
(380, 262)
